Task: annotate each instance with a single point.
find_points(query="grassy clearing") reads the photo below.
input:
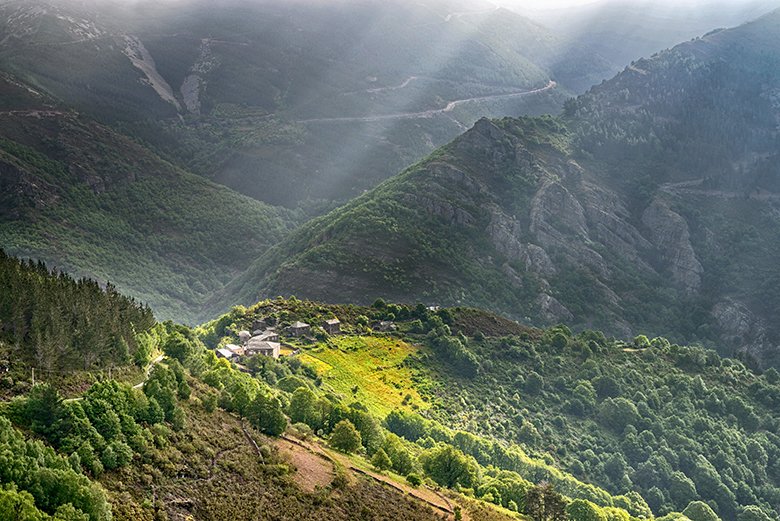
(372, 364)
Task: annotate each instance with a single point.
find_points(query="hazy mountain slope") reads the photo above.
(624, 30)
(69, 50)
(248, 78)
(94, 202)
(649, 206)
(266, 71)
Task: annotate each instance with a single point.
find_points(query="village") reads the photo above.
(265, 339)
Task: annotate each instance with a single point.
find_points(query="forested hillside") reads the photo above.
(658, 425)
(650, 205)
(95, 203)
(446, 412)
(159, 449)
(57, 324)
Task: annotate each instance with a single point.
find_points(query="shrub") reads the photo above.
(345, 437)
(413, 479)
(381, 460)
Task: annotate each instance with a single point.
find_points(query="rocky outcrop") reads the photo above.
(742, 329)
(194, 84)
(552, 311)
(142, 59)
(559, 223)
(669, 233)
(439, 208)
(609, 224)
(20, 190)
(506, 235)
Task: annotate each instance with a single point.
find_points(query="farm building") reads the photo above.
(225, 353)
(267, 336)
(255, 346)
(332, 326)
(299, 329)
(236, 350)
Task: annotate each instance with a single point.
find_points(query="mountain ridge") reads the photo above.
(561, 233)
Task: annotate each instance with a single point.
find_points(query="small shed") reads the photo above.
(244, 336)
(332, 326)
(235, 349)
(263, 347)
(299, 329)
(385, 325)
(259, 324)
(225, 353)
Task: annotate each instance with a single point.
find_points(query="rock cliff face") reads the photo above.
(669, 234)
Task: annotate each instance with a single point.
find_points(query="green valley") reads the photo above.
(380, 260)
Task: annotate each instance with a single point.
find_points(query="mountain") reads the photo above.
(650, 205)
(96, 203)
(329, 98)
(621, 31)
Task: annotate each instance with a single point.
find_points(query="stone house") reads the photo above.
(299, 329)
(255, 346)
(332, 326)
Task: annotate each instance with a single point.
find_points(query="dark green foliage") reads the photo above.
(381, 460)
(265, 413)
(401, 460)
(48, 478)
(58, 324)
(581, 510)
(449, 467)
(543, 503)
(304, 408)
(753, 513)
(410, 426)
(290, 383)
(611, 420)
(178, 347)
(345, 437)
(454, 352)
(700, 511)
(617, 414)
(414, 480)
(43, 411)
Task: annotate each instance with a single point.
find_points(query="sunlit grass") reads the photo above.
(374, 366)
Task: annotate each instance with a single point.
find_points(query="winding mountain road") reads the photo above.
(432, 112)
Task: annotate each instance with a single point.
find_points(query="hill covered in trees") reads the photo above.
(446, 412)
(659, 426)
(58, 325)
(649, 205)
(96, 203)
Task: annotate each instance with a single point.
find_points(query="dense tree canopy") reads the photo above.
(55, 323)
